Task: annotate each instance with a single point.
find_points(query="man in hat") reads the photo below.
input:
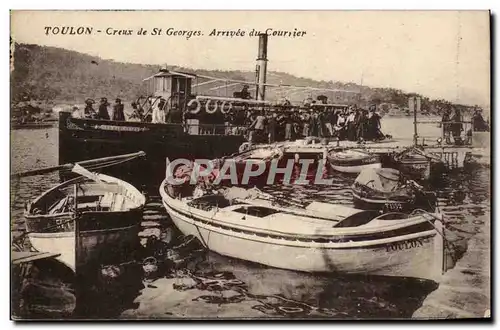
(456, 127)
(89, 111)
(118, 113)
(103, 109)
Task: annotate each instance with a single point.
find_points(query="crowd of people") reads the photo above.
(270, 125)
(288, 123)
(453, 125)
(102, 113)
(350, 123)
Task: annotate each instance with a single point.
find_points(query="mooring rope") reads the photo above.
(433, 225)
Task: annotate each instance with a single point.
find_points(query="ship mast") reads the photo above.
(262, 67)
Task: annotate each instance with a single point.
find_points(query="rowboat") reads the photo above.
(255, 161)
(417, 164)
(352, 161)
(88, 219)
(387, 189)
(319, 237)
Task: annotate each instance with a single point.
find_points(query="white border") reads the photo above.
(203, 4)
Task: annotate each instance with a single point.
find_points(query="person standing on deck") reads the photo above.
(249, 120)
(457, 127)
(245, 94)
(330, 121)
(305, 118)
(320, 123)
(288, 126)
(118, 113)
(259, 126)
(88, 111)
(75, 112)
(446, 126)
(478, 122)
(313, 123)
(158, 111)
(350, 123)
(272, 126)
(103, 113)
(374, 132)
(138, 111)
(340, 126)
(361, 125)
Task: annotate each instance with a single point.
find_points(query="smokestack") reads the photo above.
(262, 67)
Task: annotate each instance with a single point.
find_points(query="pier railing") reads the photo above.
(452, 132)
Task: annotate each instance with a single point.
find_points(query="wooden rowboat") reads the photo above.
(389, 190)
(86, 220)
(318, 238)
(352, 161)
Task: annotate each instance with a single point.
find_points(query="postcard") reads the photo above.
(250, 165)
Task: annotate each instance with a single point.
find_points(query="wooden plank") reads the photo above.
(25, 256)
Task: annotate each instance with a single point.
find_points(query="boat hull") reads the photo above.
(82, 249)
(61, 243)
(353, 168)
(416, 255)
(419, 169)
(93, 237)
(351, 161)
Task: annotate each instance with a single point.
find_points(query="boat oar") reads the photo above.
(69, 166)
(86, 173)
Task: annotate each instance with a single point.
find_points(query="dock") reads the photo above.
(464, 291)
(451, 155)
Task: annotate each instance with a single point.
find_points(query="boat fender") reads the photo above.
(198, 106)
(207, 107)
(223, 107)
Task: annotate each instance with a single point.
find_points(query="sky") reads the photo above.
(440, 54)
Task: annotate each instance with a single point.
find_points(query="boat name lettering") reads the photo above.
(406, 245)
(420, 166)
(369, 160)
(121, 128)
(394, 206)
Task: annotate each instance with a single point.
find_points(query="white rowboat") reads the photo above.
(319, 238)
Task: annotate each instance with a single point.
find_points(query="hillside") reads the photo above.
(54, 74)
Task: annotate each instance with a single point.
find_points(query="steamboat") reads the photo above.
(183, 125)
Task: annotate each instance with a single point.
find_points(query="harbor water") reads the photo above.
(207, 285)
